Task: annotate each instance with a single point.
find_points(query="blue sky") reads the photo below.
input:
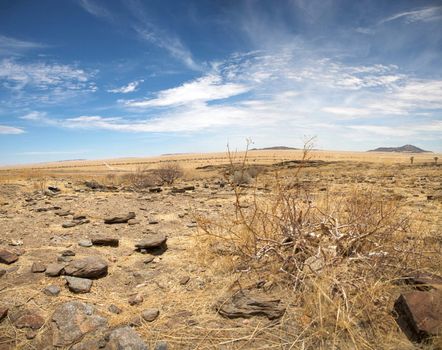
(102, 79)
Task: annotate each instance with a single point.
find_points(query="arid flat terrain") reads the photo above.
(300, 253)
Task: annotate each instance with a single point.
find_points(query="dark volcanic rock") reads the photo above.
(89, 267)
(125, 338)
(78, 285)
(105, 241)
(119, 219)
(72, 321)
(6, 257)
(419, 314)
(243, 305)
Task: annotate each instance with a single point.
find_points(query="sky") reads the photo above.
(92, 79)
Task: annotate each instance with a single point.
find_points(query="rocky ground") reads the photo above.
(114, 268)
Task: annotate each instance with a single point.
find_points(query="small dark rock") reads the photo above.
(114, 309)
(105, 241)
(119, 219)
(6, 257)
(52, 291)
(3, 312)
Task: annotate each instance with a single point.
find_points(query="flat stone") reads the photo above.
(3, 312)
(89, 267)
(78, 285)
(6, 257)
(69, 224)
(62, 212)
(105, 241)
(38, 267)
(133, 222)
(419, 314)
(119, 219)
(52, 291)
(150, 315)
(27, 319)
(125, 338)
(246, 306)
(85, 243)
(54, 269)
(72, 321)
(152, 241)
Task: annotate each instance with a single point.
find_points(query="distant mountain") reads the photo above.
(403, 149)
(274, 148)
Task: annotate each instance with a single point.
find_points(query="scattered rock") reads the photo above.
(153, 222)
(155, 190)
(184, 280)
(105, 241)
(68, 252)
(89, 267)
(6, 257)
(54, 269)
(85, 243)
(38, 267)
(133, 222)
(2, 272)
(119, 219)
(135, 299)
(243, 305)
(72, 321)
(54, 189)
(27, 318)
(69, 224)
(419, 314)
(114, 309)
(78, 285)
(3, 312)
(94, 185)
(125, 338)
(152, 241)
(62, 213)
(150, 315)
(52, 291)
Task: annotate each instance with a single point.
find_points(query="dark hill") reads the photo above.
(403, 149)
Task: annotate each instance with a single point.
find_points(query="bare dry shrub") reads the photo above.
(169, 173)
(139, 179)
(334, 260)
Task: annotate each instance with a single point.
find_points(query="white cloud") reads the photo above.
(346, 112)
(11, 130)
(12, 46)
(34, 115)
(95, 9)
(208, 88)
(131, 87)
(423, 15)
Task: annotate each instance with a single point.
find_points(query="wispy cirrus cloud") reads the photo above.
(94, 9)
(10, 130)
(131, 87)
(13, 46)
(422, 15)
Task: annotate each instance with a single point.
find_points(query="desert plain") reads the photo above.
(265, 250)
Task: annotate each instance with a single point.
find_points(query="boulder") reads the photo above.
(125, 338)
(6, 257)
(119, 219)
(72, 321)
(89, 267)
(244, 305)
(78, 285)
(105, 241)
(419, 314)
